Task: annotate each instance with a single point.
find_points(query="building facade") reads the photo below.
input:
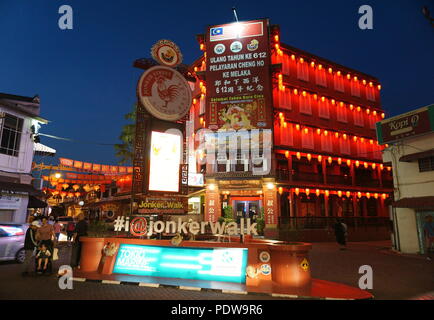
(19, 122)
(411, 154)
(325, 162)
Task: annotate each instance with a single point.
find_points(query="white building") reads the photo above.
(19, 120)
(411, 152)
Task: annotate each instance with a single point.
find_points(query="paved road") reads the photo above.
(395, 277)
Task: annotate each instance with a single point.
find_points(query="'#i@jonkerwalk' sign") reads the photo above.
(139, 226)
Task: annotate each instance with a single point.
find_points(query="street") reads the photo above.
(394, 277)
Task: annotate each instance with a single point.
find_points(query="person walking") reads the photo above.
(340, 229)
(80, 231)
(70, 227)
(30, 245)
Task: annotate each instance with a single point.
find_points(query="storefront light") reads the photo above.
(270, 186)
(211, 186)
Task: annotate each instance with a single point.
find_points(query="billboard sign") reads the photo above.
(165, 160)
(409, 124)
(212, 264)
(239, 94)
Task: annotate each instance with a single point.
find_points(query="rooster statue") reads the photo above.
(167, 94)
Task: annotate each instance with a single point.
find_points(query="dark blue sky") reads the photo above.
(87, 83)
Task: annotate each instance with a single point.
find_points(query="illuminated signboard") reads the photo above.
(165, 162)
(238, 78)
(213, 264)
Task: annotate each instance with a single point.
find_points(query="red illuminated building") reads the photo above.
(326, 160)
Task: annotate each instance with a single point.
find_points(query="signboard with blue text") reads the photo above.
(212, 264)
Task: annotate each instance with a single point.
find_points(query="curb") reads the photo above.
(234, 292)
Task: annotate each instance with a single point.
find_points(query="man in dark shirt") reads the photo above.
(30, 244)
(80, 231)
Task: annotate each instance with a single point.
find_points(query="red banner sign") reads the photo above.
(238, 76)
(85, 166)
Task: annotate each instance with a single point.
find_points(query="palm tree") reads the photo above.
(124, 150)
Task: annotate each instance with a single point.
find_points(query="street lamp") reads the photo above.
(57, 175)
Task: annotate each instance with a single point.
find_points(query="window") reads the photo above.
(323, 109)
(302, 71)
(342, 113)
(305, 105)
(355, 88)
(361, 149)
(426, 164)
(358, 118)
(370, 93)
(201, 105)
(344, 145)
(326, 143)
(11, 135)
(285, 99)
(372, 121)
(307, 139)
(285, 64)
(339, 83)
(320, 77)
(286, 134)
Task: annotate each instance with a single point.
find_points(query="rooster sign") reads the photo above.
(165, 93)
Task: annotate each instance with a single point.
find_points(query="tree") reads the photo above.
(124, 150)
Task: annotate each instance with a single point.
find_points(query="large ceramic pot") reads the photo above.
(91, 253)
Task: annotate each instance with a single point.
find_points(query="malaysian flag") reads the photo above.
(236, 30)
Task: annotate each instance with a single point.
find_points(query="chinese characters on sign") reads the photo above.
(212, 205)
(270, 203)
(238, 77)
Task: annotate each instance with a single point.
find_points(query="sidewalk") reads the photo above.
(394, 276)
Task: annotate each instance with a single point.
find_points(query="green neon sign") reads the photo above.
(212, 264)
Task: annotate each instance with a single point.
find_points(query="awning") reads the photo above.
(42, 150)
(36, 203)
(20, 187)
(415, 203)
(416, 156)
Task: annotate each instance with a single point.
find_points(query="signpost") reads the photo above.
(164, 98)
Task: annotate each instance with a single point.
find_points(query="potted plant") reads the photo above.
(260, 222)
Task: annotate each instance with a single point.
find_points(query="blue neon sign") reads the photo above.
(213, 264)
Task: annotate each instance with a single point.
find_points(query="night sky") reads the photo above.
(86, 81)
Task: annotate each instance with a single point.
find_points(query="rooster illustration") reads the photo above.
(167, 94)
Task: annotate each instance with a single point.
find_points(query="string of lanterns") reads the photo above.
(305, 129)
(340, 104)
(339, 160)
(339, 193)
(280, 53)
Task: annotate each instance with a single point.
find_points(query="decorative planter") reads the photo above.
(290, 265)
(91, 253)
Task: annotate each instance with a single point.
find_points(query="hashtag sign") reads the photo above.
(119, 223)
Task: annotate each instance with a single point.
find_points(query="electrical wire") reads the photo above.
(73, 140)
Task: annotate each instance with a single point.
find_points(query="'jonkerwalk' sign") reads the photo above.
(138, 226)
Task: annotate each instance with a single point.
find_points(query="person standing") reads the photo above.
(30, 244)
(57, 229)
(45, 234)
(340, 229)
(80, 231)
